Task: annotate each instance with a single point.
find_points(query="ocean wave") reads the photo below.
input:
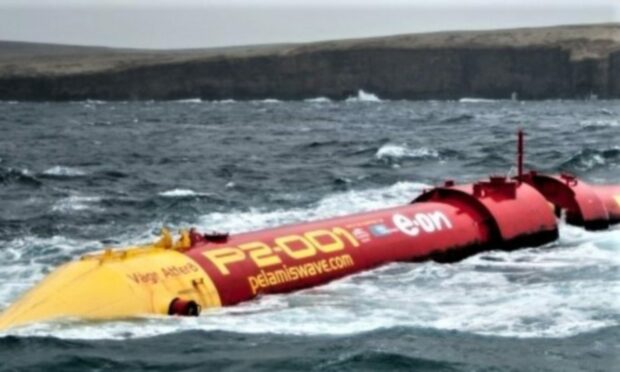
(63, 171)
(588, 159)
(21, 176)
(461, 118)
(363, 96)
(26, 260)
(600, 123)
(320, 144)
(181, 193)
(391, 151)
(318, 100)
(112, 174)
(338, 204)
(476, 100)
(77, 203)
(200, 100)
(189, 100)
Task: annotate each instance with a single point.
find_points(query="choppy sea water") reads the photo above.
(75, 177)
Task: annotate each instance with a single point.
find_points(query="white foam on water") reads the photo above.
(318, 100)
(189, 100)
(562, 289)
(77, 203)
(591, 159)
(26, 260)
(181, 193)
(363, 96)
(331, 206)
(600, 123)
(63, 171)
(394, 151)
(476, 100)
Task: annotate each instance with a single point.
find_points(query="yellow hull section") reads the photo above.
(115, 284)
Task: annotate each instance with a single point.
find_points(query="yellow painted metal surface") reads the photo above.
(116, 284)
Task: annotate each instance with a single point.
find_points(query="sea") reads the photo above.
(76, 177)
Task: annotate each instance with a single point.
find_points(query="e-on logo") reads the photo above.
(426, 222)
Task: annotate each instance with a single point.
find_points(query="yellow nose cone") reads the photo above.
(129, 283)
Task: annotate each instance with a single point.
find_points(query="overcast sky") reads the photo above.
(209, 23)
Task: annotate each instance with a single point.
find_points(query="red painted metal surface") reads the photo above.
(444, 222)
(514, 212)
(610, 196)
(308, 254)
(583, 204)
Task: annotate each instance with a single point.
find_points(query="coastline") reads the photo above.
(561, 62)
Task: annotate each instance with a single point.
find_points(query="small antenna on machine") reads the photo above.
(520, 156)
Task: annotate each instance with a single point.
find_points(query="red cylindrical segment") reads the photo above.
(610, 196)
(518, 210)
(515, 213)
(445, 222)
(300, 256)
(583, 204)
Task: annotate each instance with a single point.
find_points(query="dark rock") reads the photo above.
(568, 62)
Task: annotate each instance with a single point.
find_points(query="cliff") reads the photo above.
(535, 63)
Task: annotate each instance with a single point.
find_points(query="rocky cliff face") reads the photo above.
(395, 70)
(614, 75)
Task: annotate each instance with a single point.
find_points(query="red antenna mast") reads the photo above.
(520, 155)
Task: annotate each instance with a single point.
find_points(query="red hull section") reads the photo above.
(444, 223)
(589, 206)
